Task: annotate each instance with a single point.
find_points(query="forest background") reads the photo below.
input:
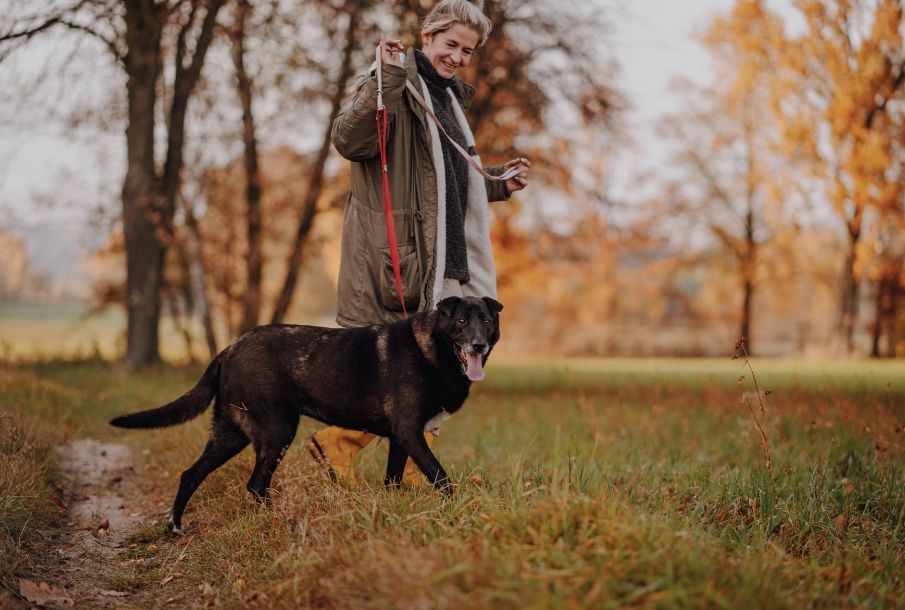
(775, 213)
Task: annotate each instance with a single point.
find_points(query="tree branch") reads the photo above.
(110, 44)
(183, 83)
(63, 18)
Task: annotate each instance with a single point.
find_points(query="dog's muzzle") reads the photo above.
(472, 359)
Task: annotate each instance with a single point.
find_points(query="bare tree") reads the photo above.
(726, 171)
(138, 35)
(251, 307)
(316, 176)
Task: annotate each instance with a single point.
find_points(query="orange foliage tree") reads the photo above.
(831, 90)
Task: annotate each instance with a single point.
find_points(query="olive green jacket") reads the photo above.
(366, 287)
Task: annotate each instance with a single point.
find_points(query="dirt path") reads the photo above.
(99, 493)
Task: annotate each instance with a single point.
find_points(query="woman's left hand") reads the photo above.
(520, 180)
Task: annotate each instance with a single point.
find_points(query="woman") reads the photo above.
(439, 203)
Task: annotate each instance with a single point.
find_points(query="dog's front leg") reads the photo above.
(413, 443)
(395, 464)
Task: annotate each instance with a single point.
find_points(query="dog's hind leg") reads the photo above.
(414, 444)
(395, 465)
(269, 453)
(226, 441)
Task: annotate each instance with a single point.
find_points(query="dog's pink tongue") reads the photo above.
(475, 370)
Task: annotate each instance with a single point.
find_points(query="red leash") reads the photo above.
(387, 203)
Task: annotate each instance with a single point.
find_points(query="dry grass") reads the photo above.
(606, 484)
(29, 504)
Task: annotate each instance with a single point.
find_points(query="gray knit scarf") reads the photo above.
(456, 169)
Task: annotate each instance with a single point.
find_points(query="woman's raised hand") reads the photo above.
(390, 52)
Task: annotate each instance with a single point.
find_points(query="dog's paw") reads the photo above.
(176, 530)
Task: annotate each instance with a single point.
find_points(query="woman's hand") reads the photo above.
(390, 52)
(520, 180)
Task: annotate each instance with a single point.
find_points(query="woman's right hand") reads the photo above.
(390, 52)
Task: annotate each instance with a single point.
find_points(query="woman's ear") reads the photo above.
(426, 38)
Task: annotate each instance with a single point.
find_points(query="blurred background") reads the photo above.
(702, 171)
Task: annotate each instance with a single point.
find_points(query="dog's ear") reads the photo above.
(493, 305)
(448, 305)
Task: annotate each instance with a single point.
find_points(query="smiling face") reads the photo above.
(450, 50)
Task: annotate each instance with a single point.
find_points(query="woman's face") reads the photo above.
(450, 50)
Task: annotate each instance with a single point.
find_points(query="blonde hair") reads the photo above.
(447, 13)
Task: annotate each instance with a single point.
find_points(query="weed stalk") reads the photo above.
(761, 420)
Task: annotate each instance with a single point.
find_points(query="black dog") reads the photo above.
(394, 381)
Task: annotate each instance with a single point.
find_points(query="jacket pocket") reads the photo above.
(410, 271)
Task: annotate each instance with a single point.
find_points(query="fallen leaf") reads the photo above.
(166, 580)
(171, 600)
(255, 598)
(152, 548)
(114, 594)
(207, 590)
(104, 526)
(43, 594)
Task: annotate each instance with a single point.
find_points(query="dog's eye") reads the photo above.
(486, 322)
(460, 321)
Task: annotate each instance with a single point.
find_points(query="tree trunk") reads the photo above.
(316, 181)
(849, 309)
(892, 334)
(748, 266)
(745, 326)
(198, 273)
(885, 311)
(251, 305)
(877, 330)
(148, 197)
(142, 196)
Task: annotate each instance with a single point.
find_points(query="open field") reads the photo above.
(71, 330)
(580, 483)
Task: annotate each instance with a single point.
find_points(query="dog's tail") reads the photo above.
(190, 405)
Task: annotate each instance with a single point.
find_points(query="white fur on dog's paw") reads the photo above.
(178, 531)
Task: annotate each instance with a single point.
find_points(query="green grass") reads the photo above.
(580, 483)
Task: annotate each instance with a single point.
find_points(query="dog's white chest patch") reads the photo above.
(433, 424)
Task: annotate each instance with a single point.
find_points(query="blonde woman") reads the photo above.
(440, 204)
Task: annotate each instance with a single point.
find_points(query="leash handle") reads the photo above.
(379, 54)
(382, 129)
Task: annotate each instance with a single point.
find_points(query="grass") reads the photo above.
(29, 504)
(580, 483)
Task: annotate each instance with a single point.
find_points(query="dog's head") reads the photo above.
(472, 327)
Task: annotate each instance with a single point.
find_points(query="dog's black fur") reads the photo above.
(388, 380)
